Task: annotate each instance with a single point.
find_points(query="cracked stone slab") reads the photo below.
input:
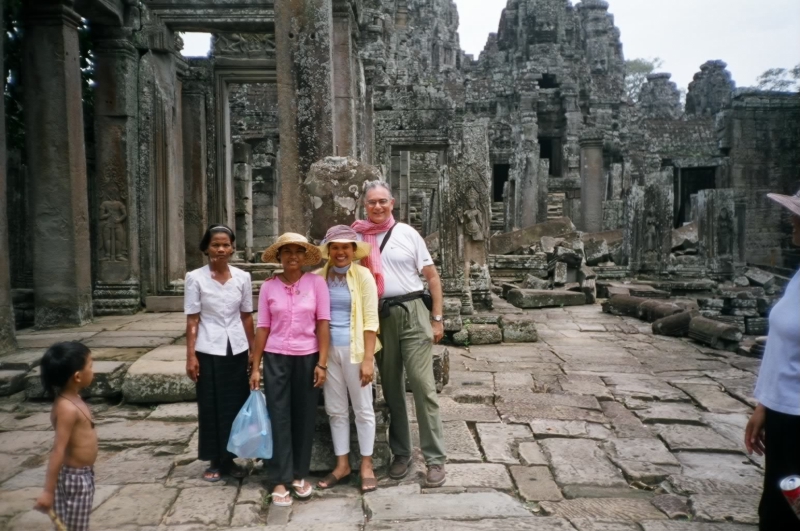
(711, 473)
(144, 432)
(675, 507)
(497, 441)
(466, 506)
(461, 446)
(732, 427)
(569, 428)
(203, 505)
(470, 387)
(452, 411)
(604, 509)
(585, 385)
(482, 475)
(694, 526)
(680, 437)
(135, 505)
(670, 413)
(650, 450)
(11, 465)
(711, 398)
(525, 413)
(587, 524)
(535, 483)
(643, 387)
(625, 424)
(531, 454)
(500, 524)
(132, 466)
(331, 510)
(511, 380)
(545, 400)
(741, 509)
(179, 412)
(581, 462)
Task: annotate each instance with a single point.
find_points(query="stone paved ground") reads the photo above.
(600, 426)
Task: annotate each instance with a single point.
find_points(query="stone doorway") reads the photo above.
(550, 149)
(688, 182)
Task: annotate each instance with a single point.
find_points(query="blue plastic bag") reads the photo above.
(251, 434)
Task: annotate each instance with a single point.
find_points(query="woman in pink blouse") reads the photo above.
(293, 334)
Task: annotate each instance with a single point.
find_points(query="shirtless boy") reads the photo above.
(69, 484)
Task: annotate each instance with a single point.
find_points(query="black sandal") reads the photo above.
(212, 475)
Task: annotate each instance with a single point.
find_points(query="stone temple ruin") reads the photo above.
(528, 171)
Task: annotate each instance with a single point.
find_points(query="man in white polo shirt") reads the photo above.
(408, 330)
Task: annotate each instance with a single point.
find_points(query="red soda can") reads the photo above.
(791, 491)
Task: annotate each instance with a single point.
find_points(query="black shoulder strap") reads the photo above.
(388, 235)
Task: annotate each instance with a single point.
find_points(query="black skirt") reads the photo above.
(222, 389)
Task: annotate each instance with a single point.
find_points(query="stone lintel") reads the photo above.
(109, 12)
(51, 13)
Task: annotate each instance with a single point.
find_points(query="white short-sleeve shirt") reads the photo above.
(402, 260)
(778, 386)
(219, 306)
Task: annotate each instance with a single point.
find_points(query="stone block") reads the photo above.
(581, 462)
(506, 287)
(568, 256)
(596, 251)
(685, 237)
(134, 505)
(589, 290)
(159, 377)
(386, 506)
(741, 508)
(461, 447)
(532, 298)
(676, 325)
(759, 277)
(21, 360)
(695, 439)
(715, 334)
(498, 441)
(511, 242)
(519, 329)
(484, 334)
(560, 274)
(11, 382)
(164, 303)
(479, 475)
(530, 282)
(203, 505)
(535, 483)
(179, 412)
(605, 509)
(531, 454)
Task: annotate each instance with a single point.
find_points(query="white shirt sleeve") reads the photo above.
(191, 295)
(423, 256)
(246, 305)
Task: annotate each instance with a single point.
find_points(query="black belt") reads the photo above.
(385, 305)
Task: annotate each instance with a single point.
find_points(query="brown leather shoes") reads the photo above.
(436, 476)
(400, 467)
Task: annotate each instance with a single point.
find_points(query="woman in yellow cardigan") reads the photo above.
(351, 359)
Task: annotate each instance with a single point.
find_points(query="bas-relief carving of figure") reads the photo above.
(472, 218)
(113, 237)
(248, 44)
(725, 233)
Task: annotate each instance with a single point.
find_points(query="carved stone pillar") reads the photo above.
(243, 197)
(57, 161)
(195, 173)
(7, 338)
(303, 39)
(592, 183)
(117, 273)
(344, 79)
(465, 213)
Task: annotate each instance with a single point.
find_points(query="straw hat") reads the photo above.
(313, 256)
(344, 234)
(792, 202)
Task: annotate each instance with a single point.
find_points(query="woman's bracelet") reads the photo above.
(321, 367)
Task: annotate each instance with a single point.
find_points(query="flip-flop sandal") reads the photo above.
(286, 499)
(368, 485)
(331, 481)
(212, 475)
(298, 488)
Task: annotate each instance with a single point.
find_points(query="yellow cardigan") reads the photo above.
(363, 309)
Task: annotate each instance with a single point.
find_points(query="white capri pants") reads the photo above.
(344, 377)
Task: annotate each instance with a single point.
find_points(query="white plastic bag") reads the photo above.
(251, 434)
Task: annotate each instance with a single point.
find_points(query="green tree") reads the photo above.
(636, 72)
(780, 79)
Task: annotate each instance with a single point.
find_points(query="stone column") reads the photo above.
(303, 39)
(195, 174)
(344, 80)
(592, 182)
(7, 338)
(57, 161)
(528, 175)
(117, 273)
(243, 197)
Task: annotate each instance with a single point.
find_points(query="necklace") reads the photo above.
(79, 409)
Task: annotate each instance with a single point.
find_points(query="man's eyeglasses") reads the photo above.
(376, 202)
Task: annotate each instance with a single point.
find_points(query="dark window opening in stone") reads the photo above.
(688, 182)
(548, 82)
(499, 179)
(550, 149)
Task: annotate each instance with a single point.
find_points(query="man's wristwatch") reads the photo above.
(437, 318)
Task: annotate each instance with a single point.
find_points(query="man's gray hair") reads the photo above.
(372, 185)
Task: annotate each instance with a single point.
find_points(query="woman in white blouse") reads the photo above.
(218, 303)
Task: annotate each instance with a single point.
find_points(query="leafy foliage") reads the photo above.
(636, 72)
(780, 79)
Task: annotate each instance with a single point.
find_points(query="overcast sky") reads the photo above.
(750, 35)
